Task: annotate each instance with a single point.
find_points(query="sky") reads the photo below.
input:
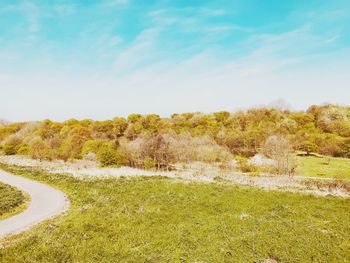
(107, 58)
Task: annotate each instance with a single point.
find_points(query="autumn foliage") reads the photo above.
(154, 142)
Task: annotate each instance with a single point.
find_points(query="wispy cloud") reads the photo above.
(28, 10)
(195, 18)
(139, 52)
(176, 88)
(122, 56)
(299, 42)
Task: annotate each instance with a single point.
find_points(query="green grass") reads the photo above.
(338, 168)
(12, 201)
(161, 220)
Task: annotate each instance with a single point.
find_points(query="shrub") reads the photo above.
(38, 149)
(110, 156)
(149, 163)
(23, 149)
(73, 144)
(279, 149)
(11, 144)
(9, 149)
(245, 166)
(158, 148)
(122, 158)
(93, 146)
(107, 156)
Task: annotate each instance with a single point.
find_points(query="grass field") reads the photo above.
(12, 201)
(338, 168)
(161, 220)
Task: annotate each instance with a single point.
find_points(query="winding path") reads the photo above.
(46, 202)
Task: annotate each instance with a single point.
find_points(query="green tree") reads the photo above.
(108, 155)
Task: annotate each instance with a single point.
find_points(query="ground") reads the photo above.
(157, 219)
(198, 171)
(325, 167)
(11, 201)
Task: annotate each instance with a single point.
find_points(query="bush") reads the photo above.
(72, 146)
(107, 156)
(93, 146)
(245, 166)
(149, 163)
(9, 149)
(279, 149)
(110, 156)
(122, 159)
(38, 149)
(23, 149)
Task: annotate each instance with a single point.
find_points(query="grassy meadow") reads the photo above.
(12, 201)
(162, 220)
(324, 167)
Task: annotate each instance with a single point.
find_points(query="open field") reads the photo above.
(12, 201)
(196, 172)
(157, 219)
(174, 131)
(326, 167)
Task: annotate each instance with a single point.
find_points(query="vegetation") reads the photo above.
(155, 142)
(160, 220)
(279, 150)
(11, 201)
(328, 167)
(245, 166)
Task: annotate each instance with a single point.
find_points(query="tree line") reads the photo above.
(149, 141)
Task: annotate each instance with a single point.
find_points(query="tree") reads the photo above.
(308, 147)
(187, 137)
(305, 141)
(222, 116)
(331, 145)
(93, 146)
(11, 144)
(103, 129)
(346, 148)
(9, 149)
(73, 144)
(119, 126)
(108, 155)
(158, 148)
(38, 149)
(279, 149)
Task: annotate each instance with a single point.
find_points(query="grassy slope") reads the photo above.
(338, 168)
(12, 201)
(160, 220)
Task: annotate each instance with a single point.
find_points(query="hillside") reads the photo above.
(147, 141)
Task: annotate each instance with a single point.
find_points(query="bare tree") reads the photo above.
(279, 149)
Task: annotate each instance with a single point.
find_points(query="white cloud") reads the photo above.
(201, 83)
(137, 53)
(141, 82)
(29, 10)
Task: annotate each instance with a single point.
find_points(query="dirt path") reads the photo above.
(46, 202)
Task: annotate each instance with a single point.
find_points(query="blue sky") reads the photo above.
(100, 59)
